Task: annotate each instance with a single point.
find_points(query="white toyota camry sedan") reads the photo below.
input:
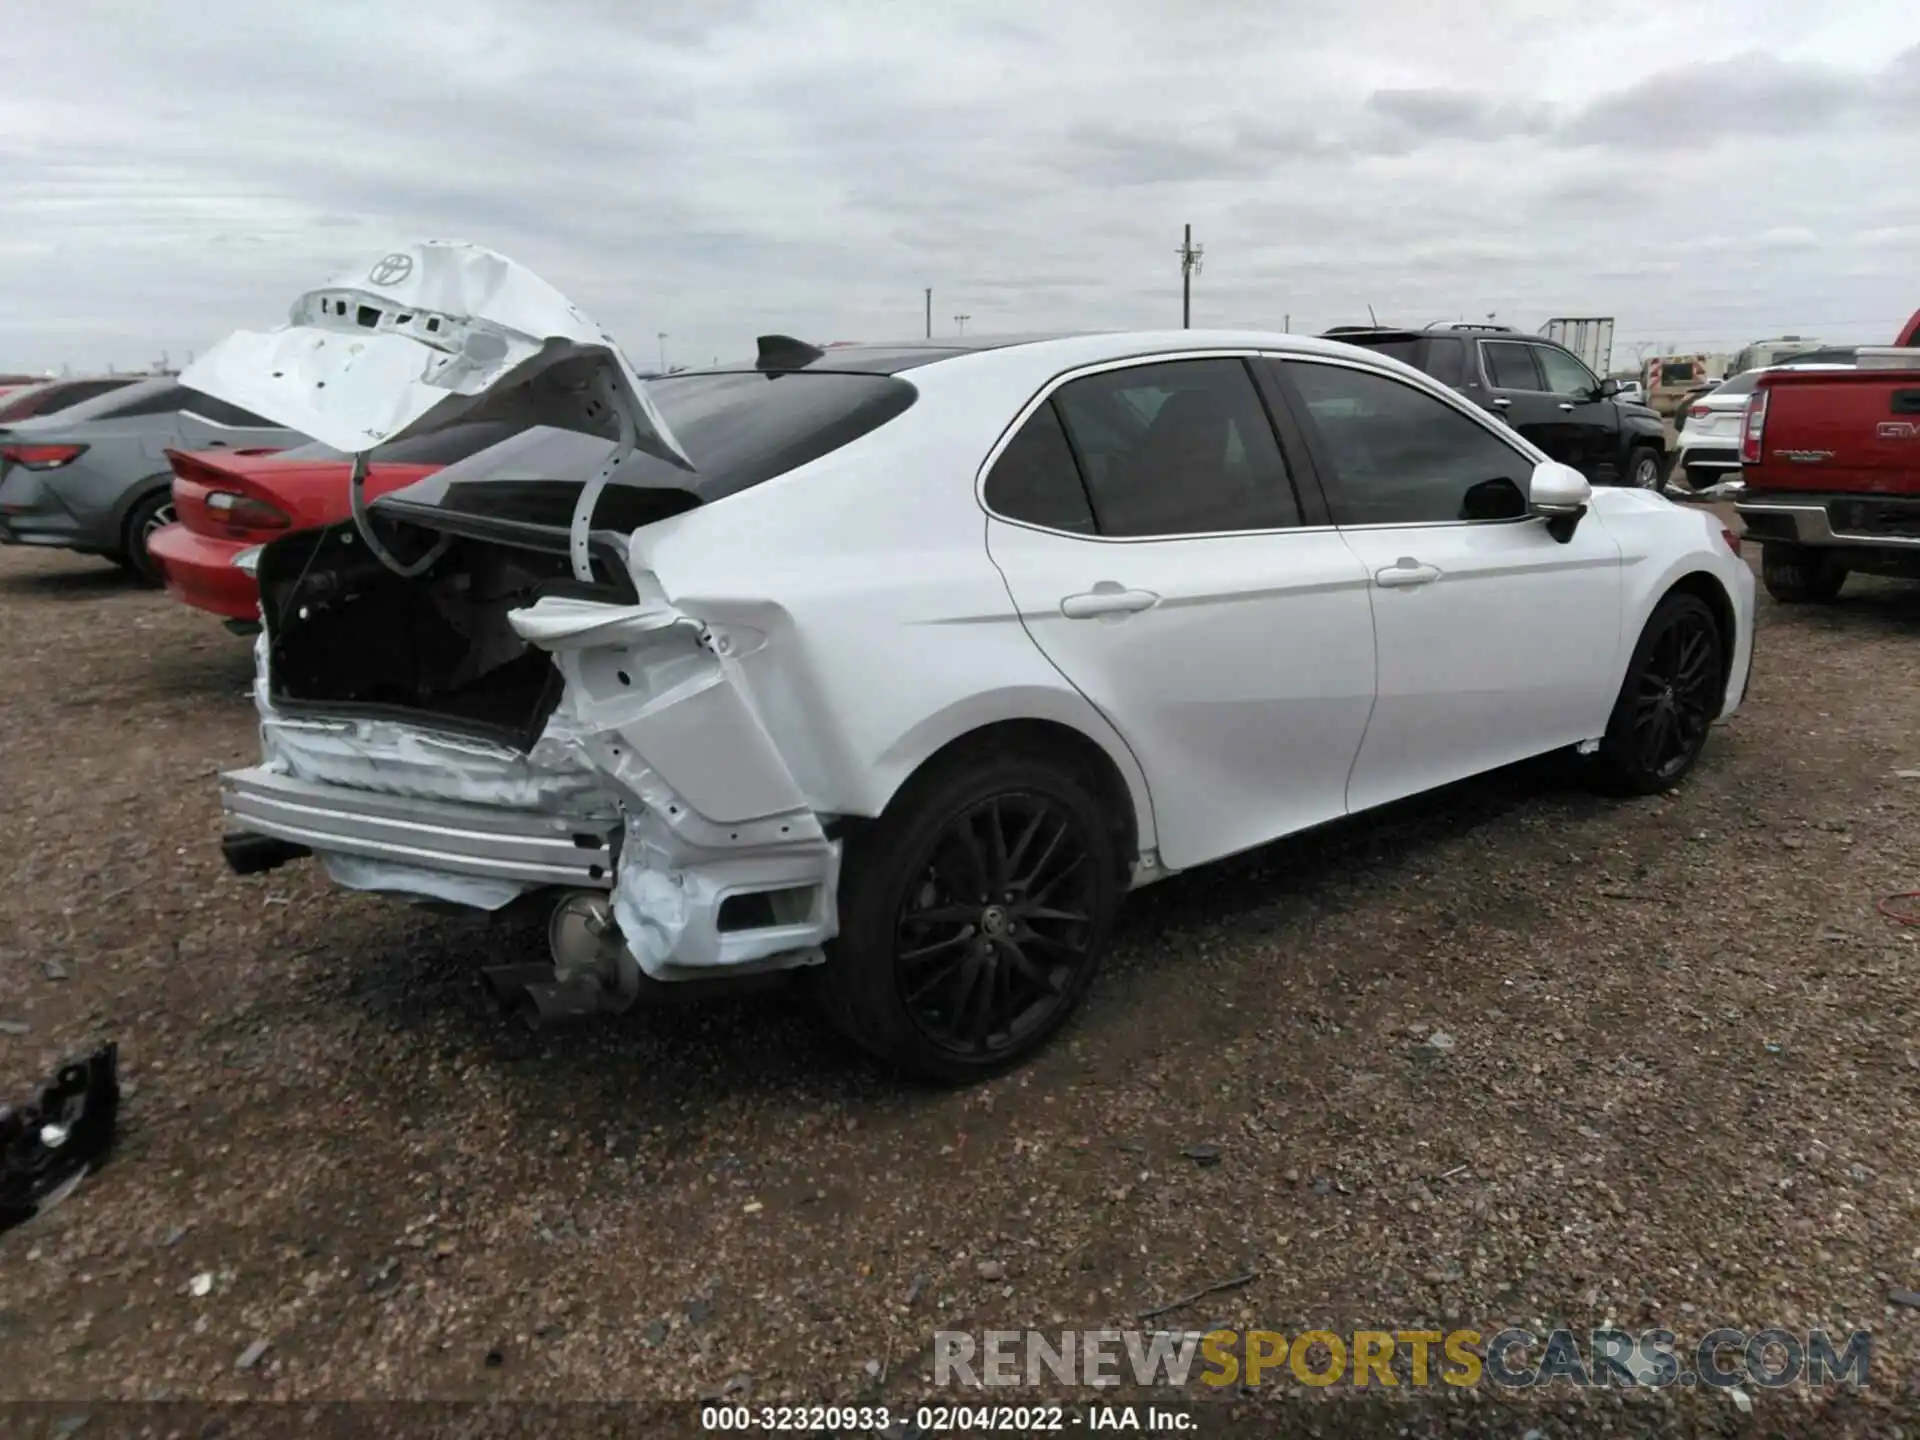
(902, 664)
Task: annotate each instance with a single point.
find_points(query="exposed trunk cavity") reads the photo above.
(348, 637)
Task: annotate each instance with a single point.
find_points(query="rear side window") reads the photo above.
(1178, 448)
(1447, 361)
(1035, 479)
(1510, 366)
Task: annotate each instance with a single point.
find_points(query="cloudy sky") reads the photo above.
(1709, 173)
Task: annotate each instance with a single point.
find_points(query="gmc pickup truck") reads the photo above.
(1831, 465)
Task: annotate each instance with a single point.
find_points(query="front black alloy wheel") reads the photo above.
(973, 915)
(1673, 690)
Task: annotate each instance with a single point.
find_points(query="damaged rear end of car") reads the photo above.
(469, 695)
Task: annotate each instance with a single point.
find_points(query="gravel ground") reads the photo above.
(1683, 1066)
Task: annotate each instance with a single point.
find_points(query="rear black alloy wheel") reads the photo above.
(1673, 691)
(992, 942)
(973, 915)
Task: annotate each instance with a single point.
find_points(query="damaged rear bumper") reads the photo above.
(513, 849)
(654, 781)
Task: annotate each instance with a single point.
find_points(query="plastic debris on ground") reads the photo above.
(48, 1148)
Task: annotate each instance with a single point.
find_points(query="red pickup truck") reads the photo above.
(1831, 465)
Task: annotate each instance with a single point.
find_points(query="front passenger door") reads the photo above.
(1494, 641)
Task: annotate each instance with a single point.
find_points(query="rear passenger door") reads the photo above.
(1147, 523)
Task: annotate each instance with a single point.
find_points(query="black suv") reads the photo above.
(1543, 390)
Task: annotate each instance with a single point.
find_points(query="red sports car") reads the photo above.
(229, 501)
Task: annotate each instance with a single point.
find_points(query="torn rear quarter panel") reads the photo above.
(713, 815)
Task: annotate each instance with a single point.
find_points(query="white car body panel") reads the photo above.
(1243, 688)
(1511, 650)
(801, 649)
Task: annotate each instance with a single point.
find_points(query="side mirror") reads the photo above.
(1559, 494)
(1611, 387)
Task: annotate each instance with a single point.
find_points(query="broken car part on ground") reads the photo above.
(55, 1142)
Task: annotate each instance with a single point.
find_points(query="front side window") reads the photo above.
(1564, 374)
(1403, 457)
(1510, 365)
(1183, 447)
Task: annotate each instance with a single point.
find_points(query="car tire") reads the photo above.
(921, 981)
(1674, 688)
(1645, 468)
(1795, 576)
(148, 515)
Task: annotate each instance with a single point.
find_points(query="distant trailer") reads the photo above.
(1590, 337)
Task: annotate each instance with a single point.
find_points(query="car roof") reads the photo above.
(1069, 348)
(782, 353)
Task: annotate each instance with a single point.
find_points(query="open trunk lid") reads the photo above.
(427, 335)
(432, 334)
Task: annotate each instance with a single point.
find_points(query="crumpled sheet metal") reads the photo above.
(398, 759)
(419, 337)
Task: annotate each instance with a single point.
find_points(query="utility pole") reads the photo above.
(961, 321)
(663, 352)
(1189, 254)
(929, 312)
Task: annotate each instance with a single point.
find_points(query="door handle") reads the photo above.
(1566, 404)
(1500, 402)
(1108, 600)
(1405, 571)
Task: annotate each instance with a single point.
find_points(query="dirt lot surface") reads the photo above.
(1679, 1091)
